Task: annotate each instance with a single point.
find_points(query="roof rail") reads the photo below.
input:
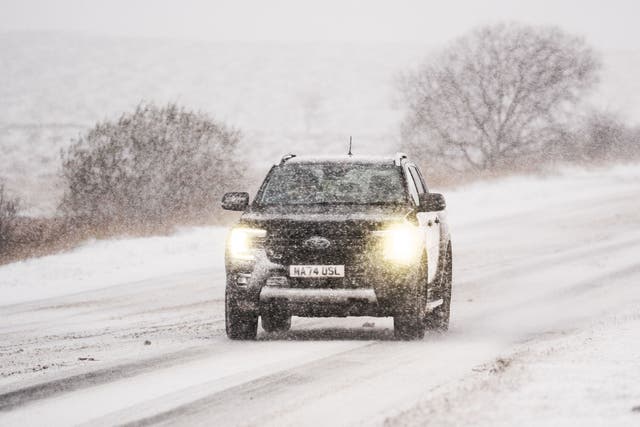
(286, 157)
(399, 157)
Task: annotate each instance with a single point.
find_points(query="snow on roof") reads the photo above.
(342, 159)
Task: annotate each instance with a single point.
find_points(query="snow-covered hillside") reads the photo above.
(301, 97)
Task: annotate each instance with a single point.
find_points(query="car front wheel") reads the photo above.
(408, 322)
(240, 324)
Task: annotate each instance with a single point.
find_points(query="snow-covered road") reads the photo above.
(545, 328)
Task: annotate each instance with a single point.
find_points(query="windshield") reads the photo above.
(334, 183)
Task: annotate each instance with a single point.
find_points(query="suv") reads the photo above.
(340, 236)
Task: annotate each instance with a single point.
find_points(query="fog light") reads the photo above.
(278, 281)
(243, 279)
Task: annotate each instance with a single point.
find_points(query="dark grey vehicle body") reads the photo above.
(416, 295)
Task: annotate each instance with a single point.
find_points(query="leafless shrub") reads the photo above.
(153, 167)
(497, 97)
(605, 138)
(599, 137)
(8, 219)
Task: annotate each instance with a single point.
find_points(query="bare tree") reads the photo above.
(498, 95)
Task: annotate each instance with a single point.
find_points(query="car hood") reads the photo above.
(345, 217)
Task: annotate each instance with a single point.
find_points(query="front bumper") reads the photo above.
(321, 302)
(261, 282)
(318, 296)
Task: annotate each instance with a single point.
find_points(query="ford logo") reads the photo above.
(316, 242)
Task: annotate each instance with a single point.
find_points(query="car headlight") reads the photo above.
(401, 243)
(242, 242)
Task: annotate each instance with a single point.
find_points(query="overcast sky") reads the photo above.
(608, 24)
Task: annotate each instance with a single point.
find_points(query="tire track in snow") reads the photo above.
(558, 296)
(11, 400)
(552, 260)
(250, 403)
(218, 371)
(23, 396)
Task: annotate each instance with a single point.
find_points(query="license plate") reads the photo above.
(316, 271)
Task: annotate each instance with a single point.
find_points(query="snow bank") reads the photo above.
(520, 194)
(99, 264)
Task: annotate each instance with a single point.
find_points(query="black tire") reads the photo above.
(408, 322)
(408, 327)
(438, 319)
(239, 324)
(276, 321)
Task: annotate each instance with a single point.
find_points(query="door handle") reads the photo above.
(429, 223)
(437, 220)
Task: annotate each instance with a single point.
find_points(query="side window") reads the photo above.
(413, 190)
(417, 179)
(424, 184)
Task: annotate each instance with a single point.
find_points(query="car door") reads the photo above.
(428, 221)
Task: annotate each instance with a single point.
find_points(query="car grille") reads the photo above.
(348, 247)
(294, 251)
(292, 245)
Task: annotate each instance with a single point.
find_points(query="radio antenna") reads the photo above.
(350, 153)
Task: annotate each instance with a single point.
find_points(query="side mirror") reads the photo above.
(432, 202)
(235, 201)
